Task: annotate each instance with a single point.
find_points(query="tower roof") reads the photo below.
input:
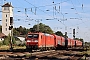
(7, 5)
(2, 35)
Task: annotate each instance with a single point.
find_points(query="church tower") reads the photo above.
(7, 18)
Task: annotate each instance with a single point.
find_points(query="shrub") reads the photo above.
(1, 43)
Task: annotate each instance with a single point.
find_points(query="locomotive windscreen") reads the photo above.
(30, 36)
(33, 36)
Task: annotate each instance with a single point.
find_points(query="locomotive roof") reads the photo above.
(47, 34)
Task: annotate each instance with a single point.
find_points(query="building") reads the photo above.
(2, 36)
(7, 18)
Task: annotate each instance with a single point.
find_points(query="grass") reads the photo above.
(28, 55)
(19, 47)
(87, 53)
(4, 47)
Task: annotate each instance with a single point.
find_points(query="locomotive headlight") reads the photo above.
(28, 40)
(36, 41)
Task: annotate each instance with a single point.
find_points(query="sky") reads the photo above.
(62, 15)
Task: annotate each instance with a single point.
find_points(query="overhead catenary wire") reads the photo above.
(79, 15)
(60, 10)
(41, 6)
(26, 12)
(46, 5)
(52, 4)
(38, 8)
(76, 11)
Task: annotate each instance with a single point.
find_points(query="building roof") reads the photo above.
(7, 5)
(21, 38)
(2, 35)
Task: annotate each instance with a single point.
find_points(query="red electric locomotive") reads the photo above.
(45, 41)
(39, 41)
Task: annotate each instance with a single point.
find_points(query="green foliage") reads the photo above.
(20, 31)
(87, 44)
(48, 30)
(42, 28)
(59, 33)
(7, 40)
(32, 30)
(15, 32)
(13, 40)
(1, 43)
(79, 39)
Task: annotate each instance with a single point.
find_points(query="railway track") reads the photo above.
(47, 55)
(59, 54)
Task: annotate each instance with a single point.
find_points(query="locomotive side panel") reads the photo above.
(73, 43)
(78, 43)
(69, 42)
(55, 40)
(41, 42)
(63, 41)
(49, 41)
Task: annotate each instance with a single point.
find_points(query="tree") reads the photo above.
(7, 40)
(32, 30)
(42, 28)
(15, 32)
(23, 31)
(20, 31)
(80, 39)
(1, 43)
(59, 33)
(13, 40)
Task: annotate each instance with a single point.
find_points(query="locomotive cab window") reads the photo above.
(30, 36)
(35, 36)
